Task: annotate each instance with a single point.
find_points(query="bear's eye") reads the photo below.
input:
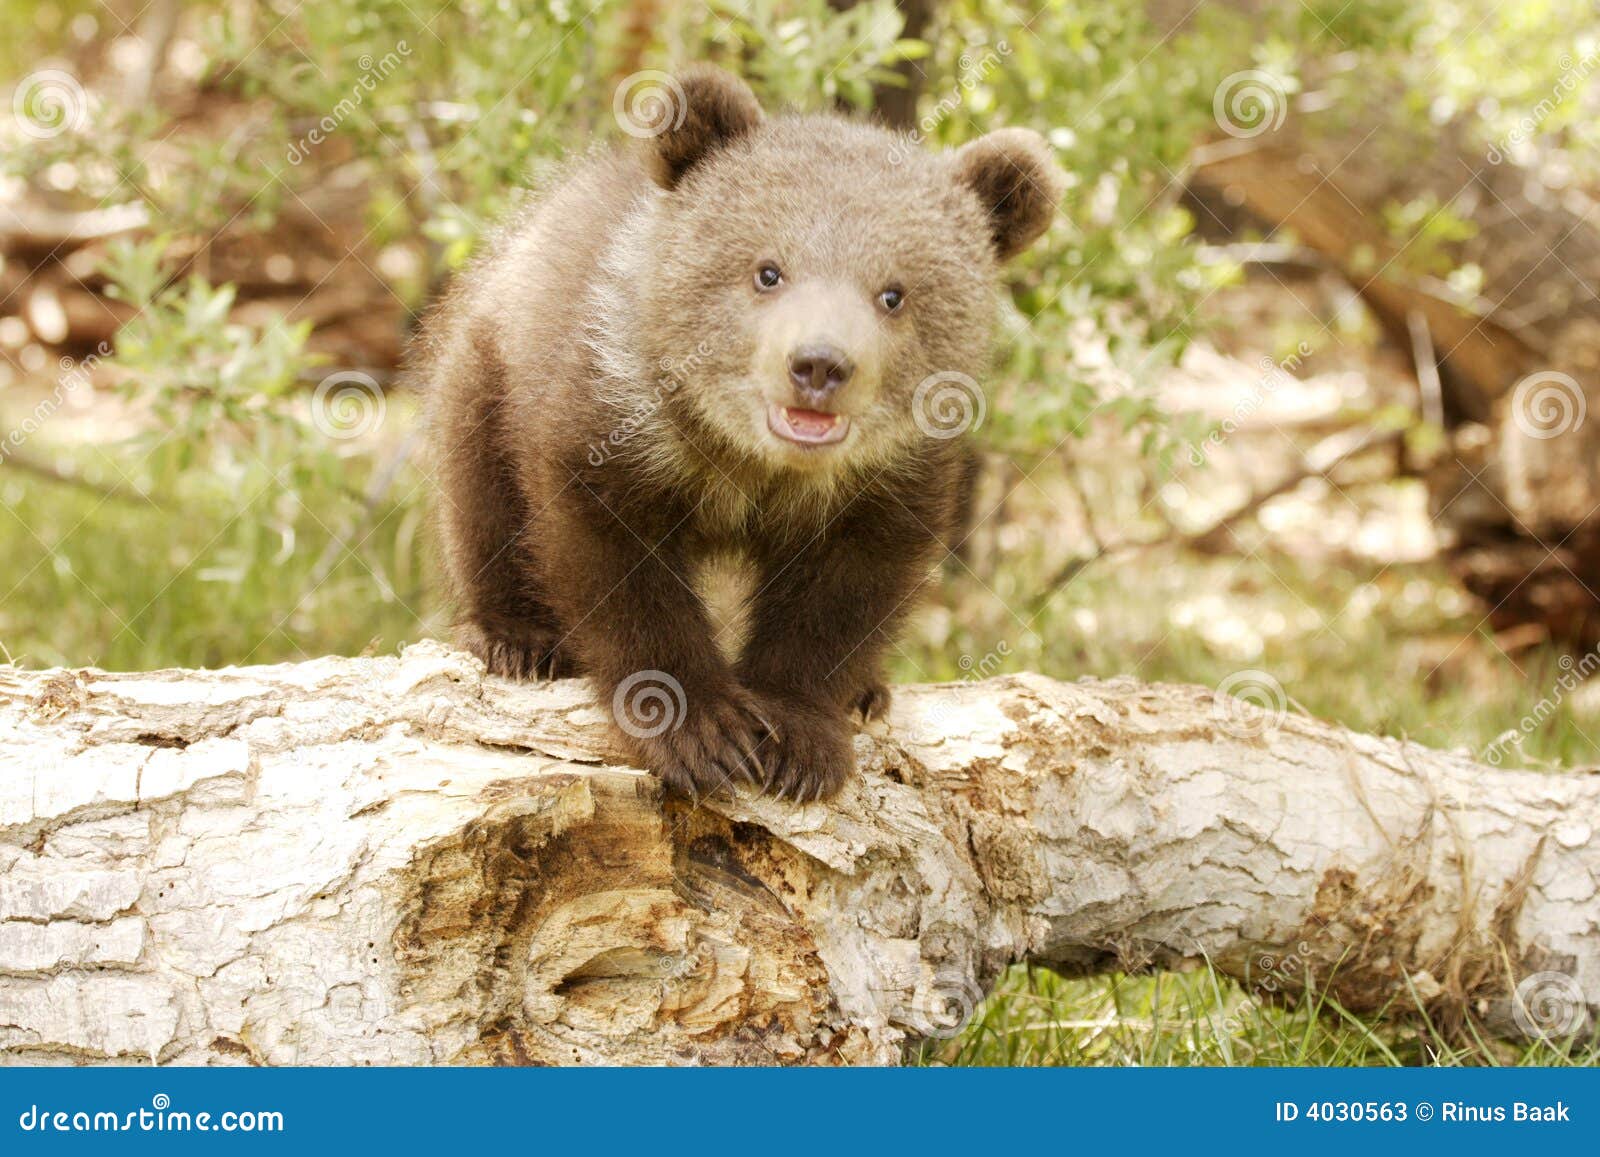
(768, 276)
(891, 298)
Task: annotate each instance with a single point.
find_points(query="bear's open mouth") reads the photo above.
(807, 427)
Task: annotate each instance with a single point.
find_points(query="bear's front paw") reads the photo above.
(698, 743)
(807, 755)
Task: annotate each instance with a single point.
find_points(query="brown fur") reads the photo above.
(601, 382)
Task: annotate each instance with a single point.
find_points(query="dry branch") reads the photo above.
(1319, 462)
(399, 860)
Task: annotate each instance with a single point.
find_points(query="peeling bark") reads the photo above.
(401, 861)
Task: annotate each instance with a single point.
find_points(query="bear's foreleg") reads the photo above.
(642, 634)
(823, 616)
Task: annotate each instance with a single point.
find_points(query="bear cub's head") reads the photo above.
(804, 275)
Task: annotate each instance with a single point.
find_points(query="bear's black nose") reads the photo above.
(819, 369)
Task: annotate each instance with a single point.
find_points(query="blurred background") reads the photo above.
(1298, 399)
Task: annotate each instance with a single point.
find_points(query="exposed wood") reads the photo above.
(397, 860)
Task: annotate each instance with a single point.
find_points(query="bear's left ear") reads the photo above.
(1016, 182)
(714, 108)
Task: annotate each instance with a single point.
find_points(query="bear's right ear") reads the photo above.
(714, 108)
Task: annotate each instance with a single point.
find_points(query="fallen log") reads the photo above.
(400, 860)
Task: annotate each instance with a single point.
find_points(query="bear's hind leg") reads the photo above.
(516, 648)
(505, 618)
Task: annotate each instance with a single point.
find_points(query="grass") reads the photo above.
(241, 563)
(1036, 1018)
(226, 565)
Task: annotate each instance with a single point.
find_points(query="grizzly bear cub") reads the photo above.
(720, 347)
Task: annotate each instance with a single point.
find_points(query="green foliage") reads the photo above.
(451, 108)
(185, 359)
(239, 524)
(803, 54)
(1426, 229)
(214, 566)
(35, 31)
